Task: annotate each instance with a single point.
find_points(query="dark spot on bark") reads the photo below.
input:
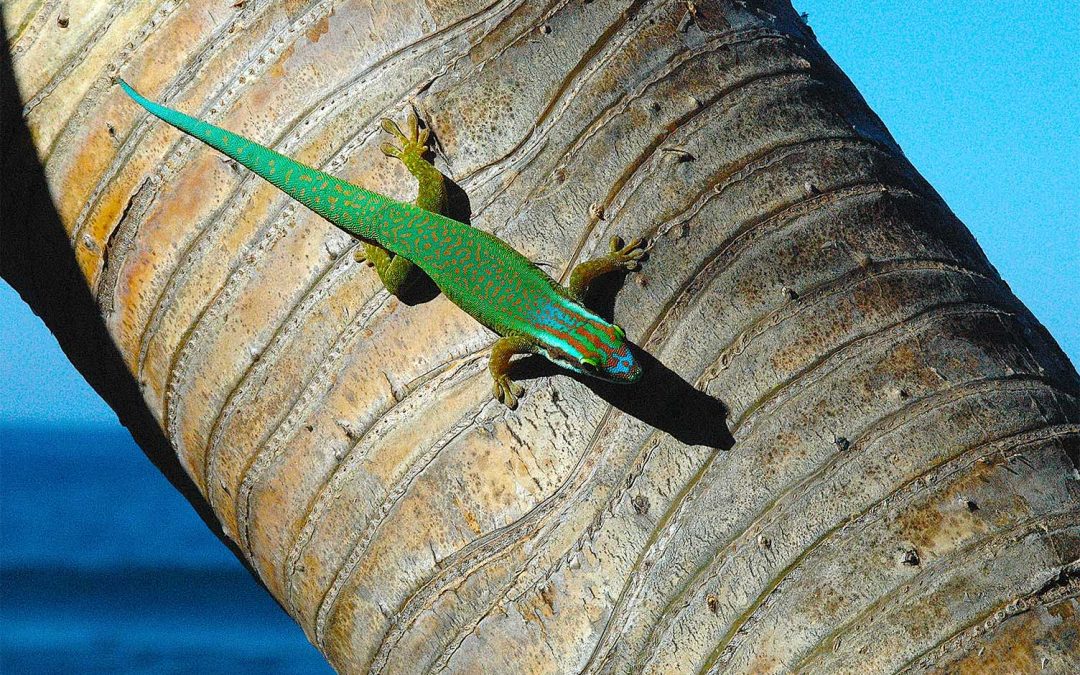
(911, 558)
(678, 155)
(640, 503)
(842, 444)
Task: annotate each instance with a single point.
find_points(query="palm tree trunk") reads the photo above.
(894, 484)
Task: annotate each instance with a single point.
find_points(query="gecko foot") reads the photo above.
(626, 256)
(360, 256)
(413, 143)
(506, 391)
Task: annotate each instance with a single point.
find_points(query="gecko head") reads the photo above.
(614, 363)
(586, 344)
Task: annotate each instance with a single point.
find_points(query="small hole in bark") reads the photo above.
(842, 444)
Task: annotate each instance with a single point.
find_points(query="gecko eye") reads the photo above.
(619, 331)
(590, 362)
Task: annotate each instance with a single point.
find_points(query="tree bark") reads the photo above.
(854, 450)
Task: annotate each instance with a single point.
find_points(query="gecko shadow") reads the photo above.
(661, 399)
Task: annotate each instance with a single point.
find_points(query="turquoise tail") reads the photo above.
(350, 207)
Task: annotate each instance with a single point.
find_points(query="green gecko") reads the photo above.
(477, 271)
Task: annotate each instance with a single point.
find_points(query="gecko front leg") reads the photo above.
(398, 273)
(619, 257)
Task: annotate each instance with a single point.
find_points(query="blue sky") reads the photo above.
(984, 98)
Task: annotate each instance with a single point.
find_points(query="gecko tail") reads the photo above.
(347, 206)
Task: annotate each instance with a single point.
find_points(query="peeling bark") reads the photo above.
(855, 449)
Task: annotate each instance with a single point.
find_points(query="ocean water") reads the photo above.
(104, 568)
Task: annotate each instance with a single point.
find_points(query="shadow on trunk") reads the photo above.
(39, 264)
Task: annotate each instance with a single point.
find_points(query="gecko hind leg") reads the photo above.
(398, 273)
(395, 272)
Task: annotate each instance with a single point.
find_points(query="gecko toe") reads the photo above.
(515, 388)
(391, 150)
(507, 392)
(414, 126)
(391, 127)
